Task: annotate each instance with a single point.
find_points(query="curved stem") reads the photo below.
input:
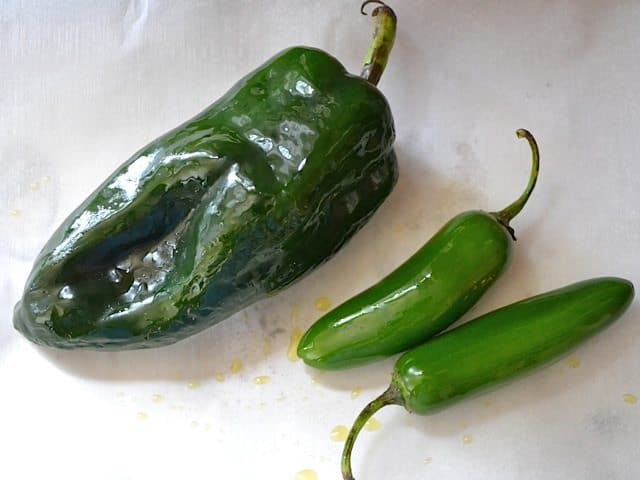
(383, 37)
(507, 214)
(391, 396)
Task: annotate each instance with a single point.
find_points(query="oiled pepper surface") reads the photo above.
(232, 206)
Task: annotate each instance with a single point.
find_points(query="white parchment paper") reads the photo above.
(84, 84)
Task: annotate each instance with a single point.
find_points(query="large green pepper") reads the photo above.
(230, 207)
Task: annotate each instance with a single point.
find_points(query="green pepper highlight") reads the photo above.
(230, 207)
(497, 347)
(424, 295)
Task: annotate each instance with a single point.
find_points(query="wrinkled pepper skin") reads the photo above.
(230, 207)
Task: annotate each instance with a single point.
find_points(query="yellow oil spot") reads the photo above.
(193, 384)
(487, 403)
(467, 439)
(236, 366)
(295, 315)
(339, 433)
(15, 212)
(157, 398)
(34, 186)
(46, 179)
(355, 393)
(306, 475)
(573, 362)
(262, 380)
(323, 303)
(194, 424)
(294, 340)
(219, 376)
(207, 427)
(630, 398)
(398, 227)
(142, 416)
(372, 425)
(266, 347)
(428, 460)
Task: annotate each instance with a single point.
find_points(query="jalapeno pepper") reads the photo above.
(423, 296)
(496, 347)
(232, 206)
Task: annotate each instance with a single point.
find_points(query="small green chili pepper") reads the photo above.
(423, 296)
(497, 347)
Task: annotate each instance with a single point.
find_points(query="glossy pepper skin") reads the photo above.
(230, 207)
(423, 296)
(497, 347)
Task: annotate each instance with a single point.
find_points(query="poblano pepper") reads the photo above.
(230, 207)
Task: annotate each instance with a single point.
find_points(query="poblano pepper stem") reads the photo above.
(391, 396)
(507, 214)
(383, 37)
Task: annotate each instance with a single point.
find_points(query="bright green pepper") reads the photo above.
(496, 347)
(423, 296)
(229, 208)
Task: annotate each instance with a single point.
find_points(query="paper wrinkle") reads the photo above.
(134, 22)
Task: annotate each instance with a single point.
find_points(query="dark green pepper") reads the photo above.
(496, 347)
(423, 296)
(230, 207)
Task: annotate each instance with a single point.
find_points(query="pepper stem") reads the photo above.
(507, 214)
(383, 36)
(391, 396)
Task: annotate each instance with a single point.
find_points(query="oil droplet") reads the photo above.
(355, 393)
(487, 403)
(46, 179)
(294, 340)
(339, 433)
(262, 380)
(193, 384)
(14, 212)
(157, 398)
(630, 398)
(34, 186)
(323, 303)
(266, 348)
(372, 425)
(219, 376)
(573, 362)
(306, 475)
(236, 366)
(467, 439)
(428, 460)
(207, 427)
(142, 416)
(398, 227)
(194, 424)
(295, 313)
